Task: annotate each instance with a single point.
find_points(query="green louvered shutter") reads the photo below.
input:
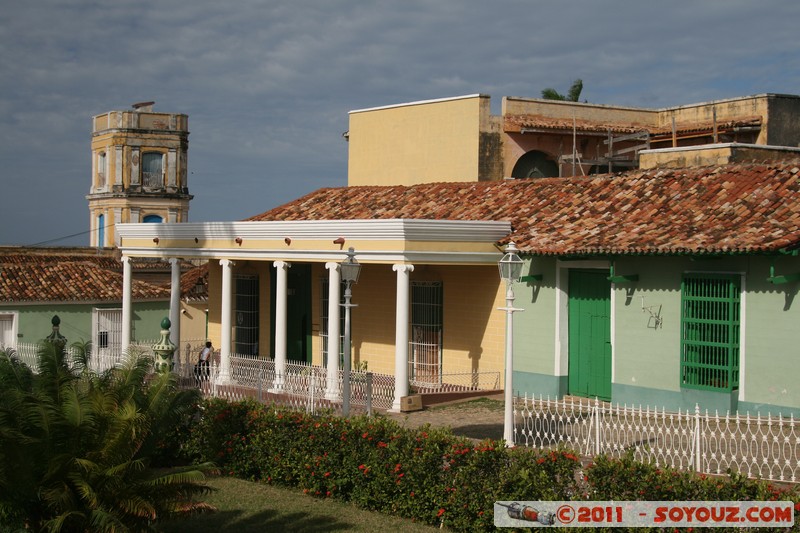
(710, 331)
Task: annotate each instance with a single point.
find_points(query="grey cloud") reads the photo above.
(268, 84)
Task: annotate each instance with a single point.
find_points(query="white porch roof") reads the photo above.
(377, 241)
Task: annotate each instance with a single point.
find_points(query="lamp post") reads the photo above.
(510, 271)
(350, 269)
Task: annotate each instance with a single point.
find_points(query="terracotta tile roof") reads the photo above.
(35, 277)
(707, 127)
(516, 123)
(744, 208)
(194, 284)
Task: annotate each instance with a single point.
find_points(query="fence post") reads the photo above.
(369, 393)
(313, 386)
(697, 437)
(213, 380)
(260, 378)
(596, 426)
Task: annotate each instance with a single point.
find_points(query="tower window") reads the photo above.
(153, 219)
(101, 231)
(102, 169)
(152, 170)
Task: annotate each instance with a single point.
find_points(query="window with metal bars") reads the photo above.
(425, 364)
(710, 331)
(245, 326)
(107, 331)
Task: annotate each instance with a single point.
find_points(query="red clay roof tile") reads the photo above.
(743, 208)
(36, 277)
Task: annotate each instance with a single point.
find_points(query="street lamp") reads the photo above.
(350, 270)
(510, 272)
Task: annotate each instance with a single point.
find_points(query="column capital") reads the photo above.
(125, 259)
(332, 265)
(174, 260)
(403, 268)
(226, 262)
(281, 264)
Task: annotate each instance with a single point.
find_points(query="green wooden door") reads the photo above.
(590, 334)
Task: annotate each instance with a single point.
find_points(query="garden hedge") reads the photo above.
(428, 474)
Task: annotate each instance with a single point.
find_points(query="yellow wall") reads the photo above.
(417, 143)
(473, 330)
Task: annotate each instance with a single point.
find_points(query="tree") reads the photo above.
(573, 95)
(77, 447)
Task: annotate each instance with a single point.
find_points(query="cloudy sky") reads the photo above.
(268, 85)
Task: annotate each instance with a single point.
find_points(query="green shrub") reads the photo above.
(78, 449)
(429, 474)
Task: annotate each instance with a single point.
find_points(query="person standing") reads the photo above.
(204, 363)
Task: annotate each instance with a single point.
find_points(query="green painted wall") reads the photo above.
(34, 321)
(646, 334)
(772, 342)
(534, 328)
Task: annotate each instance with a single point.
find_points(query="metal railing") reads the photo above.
(300, 385)
(459, 382)
(755, 446)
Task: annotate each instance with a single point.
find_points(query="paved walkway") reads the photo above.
(476, 418)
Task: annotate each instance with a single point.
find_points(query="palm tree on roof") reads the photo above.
(573, 95)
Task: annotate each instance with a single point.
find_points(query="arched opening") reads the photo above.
(155, 219)
(101, 231)
(102, 170)
(535, 164)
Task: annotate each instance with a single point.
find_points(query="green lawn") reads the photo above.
(244, 506)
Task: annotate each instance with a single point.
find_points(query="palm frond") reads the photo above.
(551, 94)
(575, 90)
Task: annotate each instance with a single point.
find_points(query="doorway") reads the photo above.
(589, 334)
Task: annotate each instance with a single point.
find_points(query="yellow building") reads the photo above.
(428, 211)
(139, 162)
(459, 140)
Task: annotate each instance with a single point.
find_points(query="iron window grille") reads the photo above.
(710, 327)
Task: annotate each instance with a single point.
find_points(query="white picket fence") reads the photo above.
(301, 385)
(98, 361)
(755, 446)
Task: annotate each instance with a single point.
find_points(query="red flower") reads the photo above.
(361, 467)
(326, 474)
(441, 512)
(412, 494)
(382, 444)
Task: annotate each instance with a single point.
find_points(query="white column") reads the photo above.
(401, 334)
(126, 304)
(175, 302)
(334, 295)
(281, 292)
(225, 322)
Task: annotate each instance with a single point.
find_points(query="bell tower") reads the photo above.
(139, 160)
